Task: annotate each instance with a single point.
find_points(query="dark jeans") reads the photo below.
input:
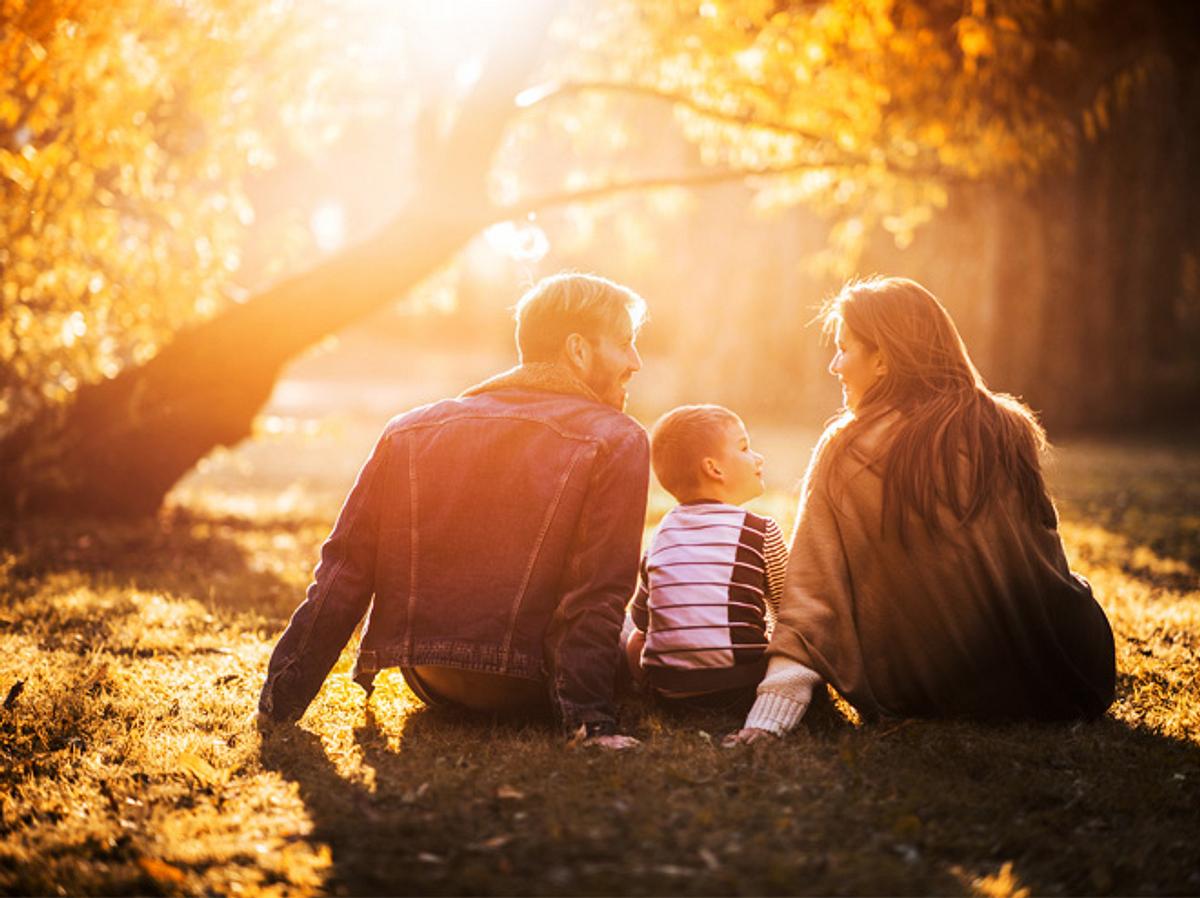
(477, 691)
(734, 702)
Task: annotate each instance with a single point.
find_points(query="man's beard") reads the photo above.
(609, 388)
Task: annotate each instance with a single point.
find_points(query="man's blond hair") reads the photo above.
(564, 304)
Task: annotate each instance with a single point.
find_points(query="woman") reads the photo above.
(927, 577)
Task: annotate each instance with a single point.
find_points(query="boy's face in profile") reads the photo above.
(740, 467)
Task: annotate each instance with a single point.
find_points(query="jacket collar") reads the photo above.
(547, 377)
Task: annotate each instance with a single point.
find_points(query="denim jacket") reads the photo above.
(496, 532)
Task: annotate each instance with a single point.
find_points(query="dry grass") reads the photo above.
(127, 764)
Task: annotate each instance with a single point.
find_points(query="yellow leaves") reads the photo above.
(934, 134)
(974, 39)
(750, 61)
(15, 167)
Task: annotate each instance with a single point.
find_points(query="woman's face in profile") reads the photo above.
(855, 366)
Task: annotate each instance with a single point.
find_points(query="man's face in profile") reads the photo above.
(614, 360)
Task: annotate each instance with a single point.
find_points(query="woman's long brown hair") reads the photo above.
(955, 438)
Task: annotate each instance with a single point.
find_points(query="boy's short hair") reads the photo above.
(564, 304)
(681, 439)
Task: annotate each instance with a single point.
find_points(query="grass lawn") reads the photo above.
(131, 658)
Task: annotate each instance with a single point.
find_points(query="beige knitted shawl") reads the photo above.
(985, 619)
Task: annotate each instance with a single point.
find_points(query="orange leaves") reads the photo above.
(123, 118)
(974, 39)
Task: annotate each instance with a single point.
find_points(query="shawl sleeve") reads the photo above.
(815, 609)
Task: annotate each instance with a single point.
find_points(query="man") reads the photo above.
(498, 532)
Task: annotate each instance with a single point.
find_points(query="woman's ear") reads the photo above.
(881, 367)
(577, 352)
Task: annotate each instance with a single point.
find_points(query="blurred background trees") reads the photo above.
(181, 182)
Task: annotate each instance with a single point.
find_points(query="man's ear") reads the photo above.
(712, 468)
(577, 352)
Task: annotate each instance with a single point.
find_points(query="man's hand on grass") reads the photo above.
(748, 736)
(615, 742)
(608, 740)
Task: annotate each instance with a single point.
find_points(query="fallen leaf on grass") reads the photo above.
(710, 859)
(205, 773)
(508, 792)
(1002, 884)
(674, 870)
(578, 738)
(161, 871)
(413, 794)
(495, 843)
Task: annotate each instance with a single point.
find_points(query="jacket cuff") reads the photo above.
(775, 713)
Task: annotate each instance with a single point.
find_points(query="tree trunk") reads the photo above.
(121, 444)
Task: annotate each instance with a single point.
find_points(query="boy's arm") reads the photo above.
(335, 602)
(639, 609)
(775, 554)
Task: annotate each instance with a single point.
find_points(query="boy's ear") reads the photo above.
(711, 468)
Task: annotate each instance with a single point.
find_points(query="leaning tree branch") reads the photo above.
(559, 90)
(634, 185)
(566, 89)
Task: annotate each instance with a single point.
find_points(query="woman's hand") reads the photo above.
(747, 736)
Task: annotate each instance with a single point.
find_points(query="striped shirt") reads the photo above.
(707, 597)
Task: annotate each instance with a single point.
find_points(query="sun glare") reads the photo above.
(520, 241)
(328, 225)
(451, 39)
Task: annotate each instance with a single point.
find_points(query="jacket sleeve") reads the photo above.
(583, 638)
(342, 587)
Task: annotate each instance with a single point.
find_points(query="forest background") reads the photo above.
(238, 236)
(197, 193)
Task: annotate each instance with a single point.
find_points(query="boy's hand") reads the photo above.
(747, 736)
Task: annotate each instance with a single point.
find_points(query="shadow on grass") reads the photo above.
(227, 563)
(453, 804)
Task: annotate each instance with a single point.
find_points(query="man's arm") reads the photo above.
(335, 602)
(583, 639)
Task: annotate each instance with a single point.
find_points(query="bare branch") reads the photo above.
(632, 185)
(543, 93)
(548, 92)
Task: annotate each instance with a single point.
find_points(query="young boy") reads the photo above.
(710, 581)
